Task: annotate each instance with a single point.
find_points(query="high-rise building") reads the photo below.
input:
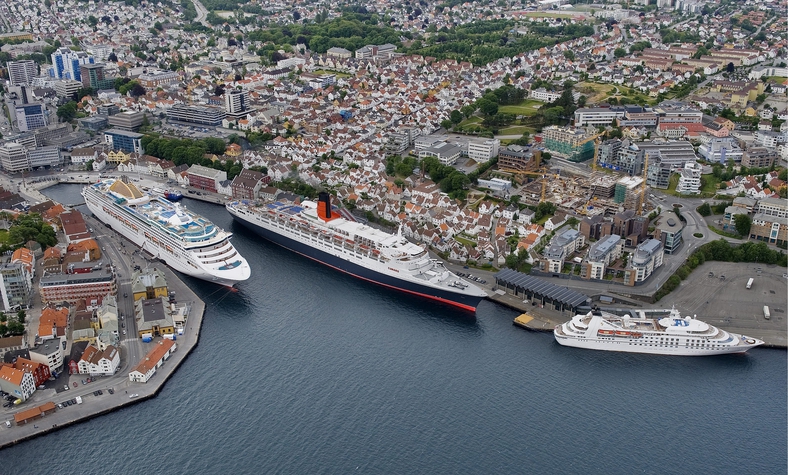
(22, 72)
(30, 117)
(236, 103)
(13, 157)
(65, 63)
(92, 75)
(127, 120)
(575, 144)
(15, 287)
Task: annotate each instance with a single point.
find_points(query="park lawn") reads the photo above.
(3, 236)
(515, 130)
(527, 107)
(470, 120)
(464, 241)
(709, 184)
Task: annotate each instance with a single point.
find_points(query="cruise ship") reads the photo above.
(668, 335)
(318, 231)
(184, 240)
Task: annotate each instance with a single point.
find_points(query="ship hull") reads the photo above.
(138, 239)
(633, 346)
(466, 302)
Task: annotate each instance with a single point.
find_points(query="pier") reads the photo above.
(94, 406)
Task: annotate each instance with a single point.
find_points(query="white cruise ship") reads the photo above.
(184, 240)
(669, 335)
(317, 231)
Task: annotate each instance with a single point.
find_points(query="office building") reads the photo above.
(67, 88)
(13, 157)
(483, 151)
(196, 115)
(92, 75)
(127, 120)
(236, 104)
(22, 72)
(49, 156)
(124, 140)
(668, 229)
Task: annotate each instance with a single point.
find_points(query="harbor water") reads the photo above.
(305, 370)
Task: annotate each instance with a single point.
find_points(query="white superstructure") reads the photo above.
(184, 240)
(387, 259)
(669, 335)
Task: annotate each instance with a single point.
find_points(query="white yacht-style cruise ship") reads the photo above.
(669, 335)
(321, 233)
(185, 241)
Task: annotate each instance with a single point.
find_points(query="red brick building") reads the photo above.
(205, 178)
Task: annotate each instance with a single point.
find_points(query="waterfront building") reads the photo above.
(154, 318)
(39, 371)
(17, 382)
(95, 362)
(601, 254)
(124, 140)
(13, 157)
(644, 261)
(91, 286)
(562, 246)
(246, 185)
(44, 157)
(149, 284)
(50, 353)
(156, 357)
(206, 178)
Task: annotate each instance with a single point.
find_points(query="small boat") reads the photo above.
(173, 195)
(132, 396)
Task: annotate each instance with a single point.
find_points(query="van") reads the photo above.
(766, 313)
(749, 282)
(8, 424)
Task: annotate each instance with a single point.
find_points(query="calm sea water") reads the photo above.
(304, 370)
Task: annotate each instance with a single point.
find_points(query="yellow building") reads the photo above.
(118, 156)
(149, 284)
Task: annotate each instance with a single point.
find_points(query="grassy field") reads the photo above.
(515, 130)
(595, 92)
(549, 15)
(338, 74)
(3, 236)
(527, 107)
(464, 241)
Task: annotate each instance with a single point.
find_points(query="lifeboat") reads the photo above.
(606, 332)
(637, 335)
(622, 333)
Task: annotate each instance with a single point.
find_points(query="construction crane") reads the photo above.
(642, 200)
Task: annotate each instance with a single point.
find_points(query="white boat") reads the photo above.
(184, 240)
(132, 396)
(668, 335)
(321, 233)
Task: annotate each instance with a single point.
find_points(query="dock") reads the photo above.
(94, 406)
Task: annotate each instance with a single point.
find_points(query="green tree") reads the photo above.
(742, 222)
(456, 116)
(704, 209)
(619, 52)
(67, 111)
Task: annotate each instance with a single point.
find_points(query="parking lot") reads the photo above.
(717, 293)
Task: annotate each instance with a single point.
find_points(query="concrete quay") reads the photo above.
(94, 406)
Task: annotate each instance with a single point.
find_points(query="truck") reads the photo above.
(766, 313)
(749, 282)
(79, 399)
